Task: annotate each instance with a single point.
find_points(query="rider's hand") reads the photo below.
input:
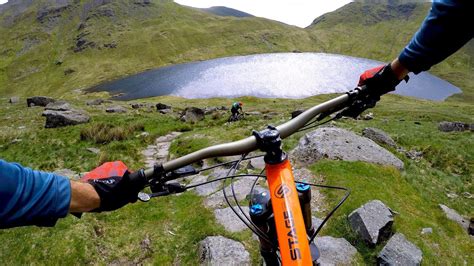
(380, 80)
(117, 191)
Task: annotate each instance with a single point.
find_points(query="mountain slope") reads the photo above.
(380, 31)
(226, 12)
(76, 44)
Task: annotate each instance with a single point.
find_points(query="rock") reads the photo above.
(471, 227)
(210, 110)
(454, 216)
(242, 188)
(14, 100)
(316, 222)
(58, 106)
(39, 101)
(336, 143)
(69, 71)
(257, 163)
(116, 109)
(452, 195)
(218, 250)
(372, 222)
(95, 102)
(368, 116)
(227, 218)
(253, 113)
(93, 150)
(454, 126)
(378, 136)
(162, 106)
(414, 155)
(165, 111)
(137, 105)
(208, 189)
(56, 119)
(192, 114)
(467, 195)
(296, 113)
(335, 251)
(425, 231)
(400, 251)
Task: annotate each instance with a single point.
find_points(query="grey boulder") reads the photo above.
(340, 144)
(39, 101)
(378, 136)
(192, 114)
(14, 100)
(219, 251)
(56, 119)
(400, 251)
(454, 126)
(58, 106)
(227, 218)
(455, 216)
(335, 251)
(372, 222)
(116, 109)
(95, 102)
(162, 106)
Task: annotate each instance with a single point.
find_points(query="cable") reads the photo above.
(348, 192)
(226, 163)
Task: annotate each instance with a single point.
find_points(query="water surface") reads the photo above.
(280, 75)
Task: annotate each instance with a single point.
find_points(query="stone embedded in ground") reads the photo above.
(455, 216)
(227, 218)
(253, 113)
(220, 251)
(39, 101)
(400, 251)
(296, 113)
(162, 106)
(95, 102)
(316, 222)
(372, 222)
(414, 155)
(368, 116)
(335, 251)
(58, 106)
(378, 136)
(208, 189)
(192, 114)
(14, 100)
(340, 144)
(165, 111)
(257, 163)
(56, 119)
(318, 202)
(159, 152)
(454, 126)
(427, 230)
(93, 150)
(116, 109)
(242, 188)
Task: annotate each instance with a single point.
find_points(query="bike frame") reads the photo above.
(290, 226)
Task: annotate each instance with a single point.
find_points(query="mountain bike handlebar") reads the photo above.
(249, 144)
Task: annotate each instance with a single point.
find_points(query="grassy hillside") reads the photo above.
(174, 225)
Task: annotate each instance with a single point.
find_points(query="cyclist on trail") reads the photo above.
(444, 31)
(236, 106)
(30, 197)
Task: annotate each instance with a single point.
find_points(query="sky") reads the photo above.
(294, 12)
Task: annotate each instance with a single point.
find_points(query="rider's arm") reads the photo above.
(30, 197)
(445, 30)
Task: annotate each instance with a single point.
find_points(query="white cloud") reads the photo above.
(294, 12)
(3, 1)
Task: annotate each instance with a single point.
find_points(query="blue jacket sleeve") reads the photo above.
(448, 26)
(30, 197)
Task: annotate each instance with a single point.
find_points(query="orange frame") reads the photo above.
(291, 231)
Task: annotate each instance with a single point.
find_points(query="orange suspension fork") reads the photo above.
(290, 226)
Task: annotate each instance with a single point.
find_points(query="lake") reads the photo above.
(277, 75)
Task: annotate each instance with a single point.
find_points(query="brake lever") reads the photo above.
(167, 189)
